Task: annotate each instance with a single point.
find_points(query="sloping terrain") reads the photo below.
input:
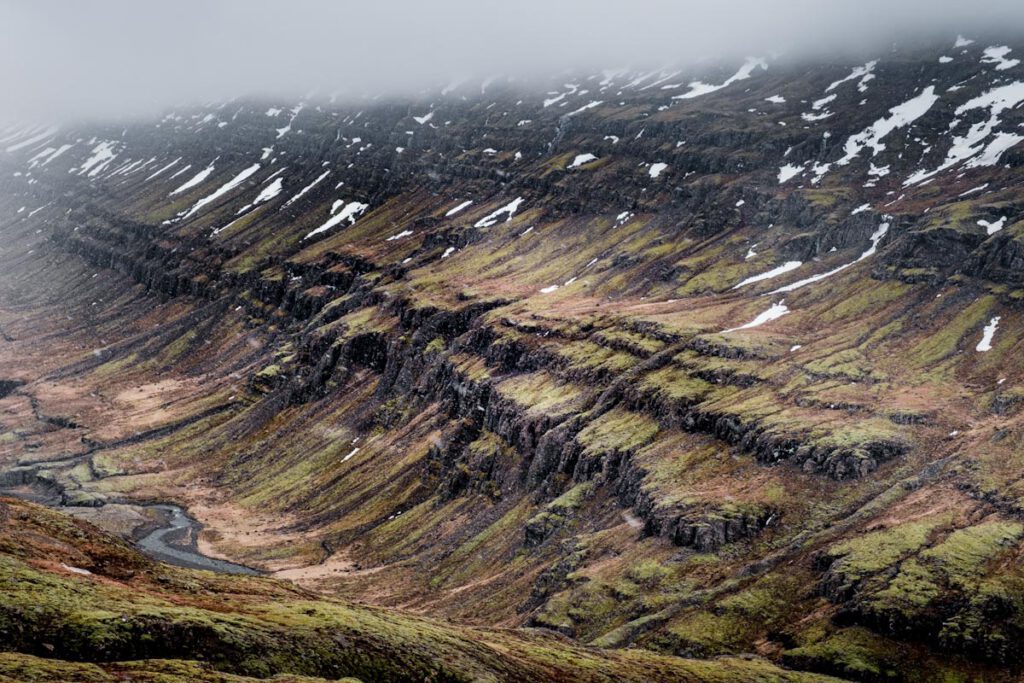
(709, 362)
(77, 595)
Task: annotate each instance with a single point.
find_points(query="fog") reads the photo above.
(69, 59)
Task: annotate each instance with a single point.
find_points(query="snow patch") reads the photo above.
(458, 208)
(222, 190)
(970, 144)
(492, 218)
(195, 180)
(986, 335)
(863, 73)
(774, 272)
(350, 213)
(697, 88)
(993, 227)
(789, 171)
(876, 237)
(306, 189)
(39, 137)
(75, 570)
(582, 159)
(585, 107)
(161, 170)
(774, 313)
(901, 115)
(265, 195)
(102, 155)
(997, 55)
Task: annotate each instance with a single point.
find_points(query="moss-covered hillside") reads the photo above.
(80, 605)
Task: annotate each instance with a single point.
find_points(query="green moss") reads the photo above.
(854, 652)
(634, 342)
(879, 550)
(947, 339)
(617, 430)
(649, 574)
(964, 554)
(585, 354)
(676, 384)
(540, 392)
(255, 627)
(847, 364)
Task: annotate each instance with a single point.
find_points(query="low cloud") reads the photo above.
(63, 59)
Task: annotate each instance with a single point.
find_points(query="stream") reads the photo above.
(175, 544)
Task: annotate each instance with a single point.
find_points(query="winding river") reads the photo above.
(175, 543)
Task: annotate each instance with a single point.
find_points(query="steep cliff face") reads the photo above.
(710, 369)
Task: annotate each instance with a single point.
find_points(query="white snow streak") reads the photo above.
(969, 144)
(492, 218)
(49, 132)
(195, 180)
(774, 272)
(161, 170)
(900, 116)
(582, 159)
(222, 190)
(774, 313)
(697, 88)
(986, 336)
(997, 55)
(350, 213)
(788, 172)
(306, 189)
(102, 155)
(589, 105)
(458, 208)
(876, 237)
(864, 73)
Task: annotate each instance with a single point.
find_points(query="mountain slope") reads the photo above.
(634, 357)
(114, 606)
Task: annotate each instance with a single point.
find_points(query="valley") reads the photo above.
(679, 374)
